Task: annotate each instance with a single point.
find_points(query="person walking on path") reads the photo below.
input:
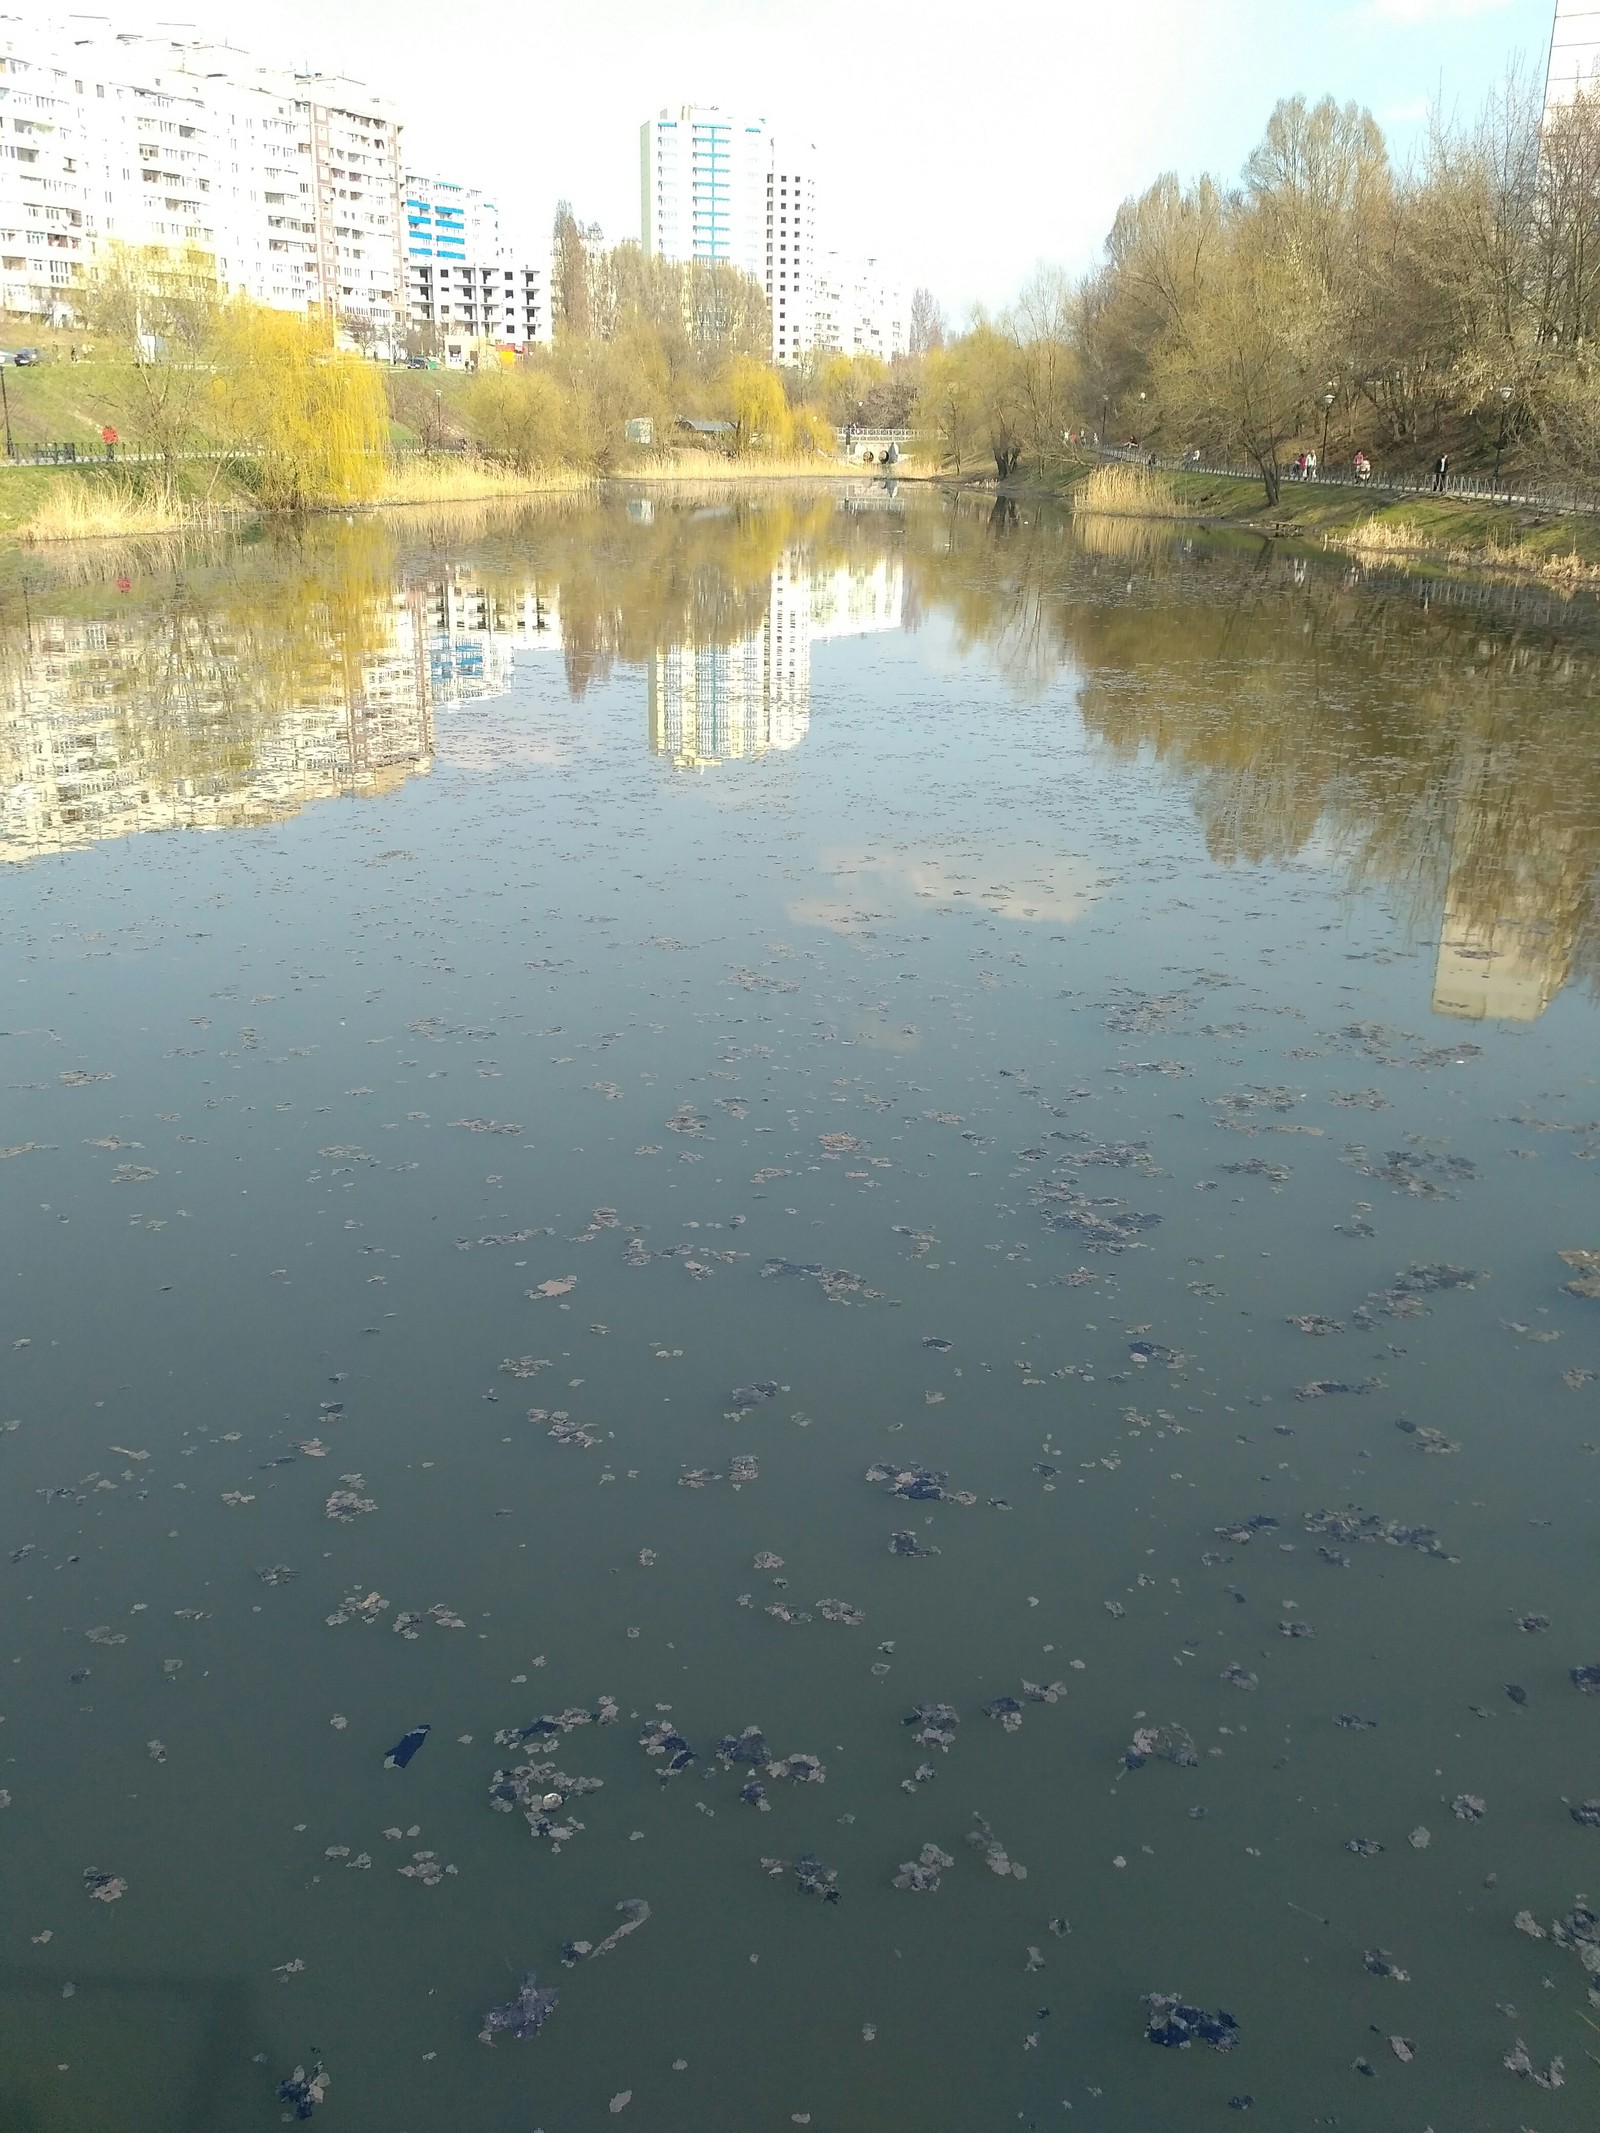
(1441, 471)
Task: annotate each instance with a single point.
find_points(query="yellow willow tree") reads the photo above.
(756, 406)
(310, 416)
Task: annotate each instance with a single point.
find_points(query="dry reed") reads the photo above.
(1122, 491)
(1399, 539)
(87, 509)
(457, 480)
(708, 467)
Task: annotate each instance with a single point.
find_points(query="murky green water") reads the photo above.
(782, 993)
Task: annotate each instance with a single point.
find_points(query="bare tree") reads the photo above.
(571, 244)
(927, 323)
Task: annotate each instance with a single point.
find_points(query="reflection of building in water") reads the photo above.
(473, 636)
(1505, 949)
(1506, 969)
(718, 703)
(136, 723)
(1508, 972)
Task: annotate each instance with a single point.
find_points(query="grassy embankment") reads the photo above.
(62, 402)
(1461, 533)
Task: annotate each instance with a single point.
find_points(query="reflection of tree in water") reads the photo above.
(693, 572)
(179, 689)
(1437, 754)
(1442, 754)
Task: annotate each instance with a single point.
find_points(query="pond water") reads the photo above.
(658, 1117)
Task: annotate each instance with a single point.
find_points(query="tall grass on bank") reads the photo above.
(1400, 540)
(92, 509)
(1122, 491)
(699, 467)
(456, 479)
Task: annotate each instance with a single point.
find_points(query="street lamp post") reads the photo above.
(1500, 441)
(5, 402)
(1327, 410)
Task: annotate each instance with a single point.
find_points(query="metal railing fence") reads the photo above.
(1576, 496)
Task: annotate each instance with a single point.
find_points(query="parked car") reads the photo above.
(418, 363)
(28, 355)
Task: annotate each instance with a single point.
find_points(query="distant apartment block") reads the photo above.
(464, 283)
(703, 187)
(1574, 51)
(290, 181)
(715, 186)
(791, 251)
(859, 310)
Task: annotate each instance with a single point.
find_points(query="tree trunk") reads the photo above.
(1271, 475)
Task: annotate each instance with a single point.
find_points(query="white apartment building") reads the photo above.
(290, 182)
(43, 241)
(716, 186)
(791, 246)
(355, 161)
(703, 187)
(464, 283)
(1574, 51)
(858, 310)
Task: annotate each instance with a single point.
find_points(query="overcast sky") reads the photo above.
(963, 140)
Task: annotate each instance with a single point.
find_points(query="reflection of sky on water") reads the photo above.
(1007, 884)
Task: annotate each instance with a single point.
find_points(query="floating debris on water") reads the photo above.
(803, 1769)
(1586, 1276)
(811, 1877)
(936, 1725)
(1177, 2025)
(745, 1398)
(1366, 1526)
(995, 1856)
(1519, 2061)
(635, 1913)
(524, 2016)
(924, 1871)
(1171, 1743)
(661, 1738)
(304, 2090)
(919, 1484)
(406, 1747)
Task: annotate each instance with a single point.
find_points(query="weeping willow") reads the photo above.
(309, 416)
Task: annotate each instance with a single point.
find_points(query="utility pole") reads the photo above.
(5, 402)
